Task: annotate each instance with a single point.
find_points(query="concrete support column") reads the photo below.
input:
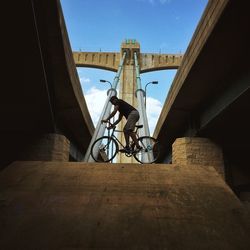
(198, 151)
(47, 147)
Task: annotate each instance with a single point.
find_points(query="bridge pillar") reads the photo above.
(128, 87)
(198, 151)
(47, 147)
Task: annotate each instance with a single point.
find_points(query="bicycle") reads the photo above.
(105, 148)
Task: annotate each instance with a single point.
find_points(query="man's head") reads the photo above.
(113, 99)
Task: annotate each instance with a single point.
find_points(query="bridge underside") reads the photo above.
(42, 95)
(212, 99)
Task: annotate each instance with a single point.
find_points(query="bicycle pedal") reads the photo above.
(137, 150)
(123, 150)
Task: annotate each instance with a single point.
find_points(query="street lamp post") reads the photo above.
(106, 81)
(152, 82)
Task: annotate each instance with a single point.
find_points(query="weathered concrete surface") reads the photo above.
(48, 98)
(49, 205)
(110, 61)
(204, 96)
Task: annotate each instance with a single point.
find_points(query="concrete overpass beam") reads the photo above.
(230, 94)
(154, 62)
(101, 60)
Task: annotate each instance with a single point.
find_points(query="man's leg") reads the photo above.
(126, 135)
(127, 148)
(130, 126)
(133, 136)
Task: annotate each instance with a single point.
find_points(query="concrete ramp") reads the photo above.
(54, 205)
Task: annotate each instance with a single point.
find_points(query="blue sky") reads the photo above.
(160, 26)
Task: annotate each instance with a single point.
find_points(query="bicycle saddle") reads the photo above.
(139, 126)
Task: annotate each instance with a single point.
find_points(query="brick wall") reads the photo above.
(198, 151)
(47, 147)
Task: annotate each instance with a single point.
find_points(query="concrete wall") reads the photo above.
(62, 205)
(47, 147)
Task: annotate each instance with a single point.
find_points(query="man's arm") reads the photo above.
(111, 114)
(118, 120)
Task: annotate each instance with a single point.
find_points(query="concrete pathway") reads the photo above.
(54, 205)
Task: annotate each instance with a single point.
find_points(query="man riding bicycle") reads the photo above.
(132, 116)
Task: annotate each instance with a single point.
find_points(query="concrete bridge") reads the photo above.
(130, 62)
(210, 95)
(47, 202)
(110, 61)
(208, 98)
(45, 114)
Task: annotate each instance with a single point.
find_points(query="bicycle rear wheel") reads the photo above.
(104, 149)
(150, 150)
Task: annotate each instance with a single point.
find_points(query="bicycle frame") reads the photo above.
(114, 136)
(120, 131)
(112, 145)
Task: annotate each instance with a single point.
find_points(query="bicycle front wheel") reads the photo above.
(150, 150)
(104, 149)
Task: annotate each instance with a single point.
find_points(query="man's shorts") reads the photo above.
(133, 117)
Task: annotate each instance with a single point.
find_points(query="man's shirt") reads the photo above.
(124, 108)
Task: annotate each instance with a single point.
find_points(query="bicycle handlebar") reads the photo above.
(111, 124)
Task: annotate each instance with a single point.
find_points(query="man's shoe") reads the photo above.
(126, 150)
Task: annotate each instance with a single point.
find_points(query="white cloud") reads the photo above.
(84, 79)
(154, 108)
(95, 99)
